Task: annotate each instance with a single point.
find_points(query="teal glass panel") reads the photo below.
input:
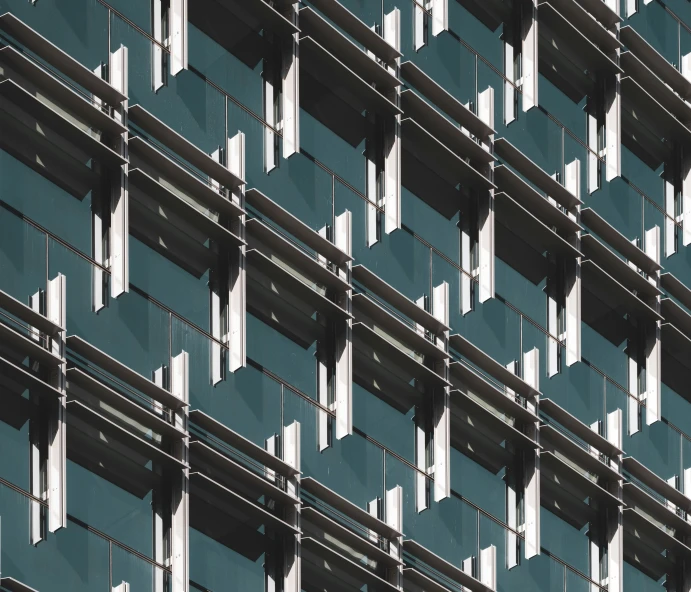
(352, 467)
(297, 183)
(541, 574)
(638, 173)
(538, 137)
(576, 582)
(577, 388)
(234, 64)
(130, 328)
(247, 401)
(520, 274)
(564, 541)
(619, 204)
(388, 426)
(443, 58)
(608, 357)
(356, 204)
(657, 446)
(71, 560)
(170, 284)
(22, 257)
(294, 363)
(659, 28)
(447, 528)
(187, 103)
(399, 259)
(637, 580)
(368, 11)
(570, 114)
(78, 27)
(137, 572)
(431, 226)
(676, 409)
(478, 485)
(487, 43)
(136, 11)
(15, 461)
(33, 195)
(106, 507)
(337, 141)
(213, 565)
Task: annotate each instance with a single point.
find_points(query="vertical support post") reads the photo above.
(373, 199)
(123, 587)
(56, 312)
(392, 141)
(292, 579)
(98, 228)
(270, 114)
(421, 498)
(466, 273)
(572, 275)
(419, 26)
(441, 402)
(613, 127)
(615, 528)
(237, 280)
(685, 196)
(529, 55)
(488, 567)
(485, 208)
(531, 460)
(119, 198)
(344, 339)
(290, 76)
(394, 518)
(671, 217)
(653, 347)
(178, 36)
(37, 456)
(179, 536)
(509, 74)
(440, 16)
(156, 49)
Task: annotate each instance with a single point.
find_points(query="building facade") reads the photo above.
(345, 295)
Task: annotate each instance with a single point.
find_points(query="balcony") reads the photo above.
(573, 58)
(449, 134)
(619, 242)
(526, 167)
(656, 62)
(100, 360)
(535, 203)
(12, 585)
(358, 30)
(240, 443)
(259, 15)
(484, 433)
(262, 237)
(352, 543)
(60, 60)
(439, 568)
(110, 402)
(391, 328)
(456, 110)
(521, 222)
(676, 288)
(618, 268)
(645, 111)
(156, 129)
(15, 100)
(336, 43)
(612, 293)
(26, 333)
(439, 159)
(662, 93)
(100, 427)
(342, 81)
(590, 20)
(490, 366)
(296, 227)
